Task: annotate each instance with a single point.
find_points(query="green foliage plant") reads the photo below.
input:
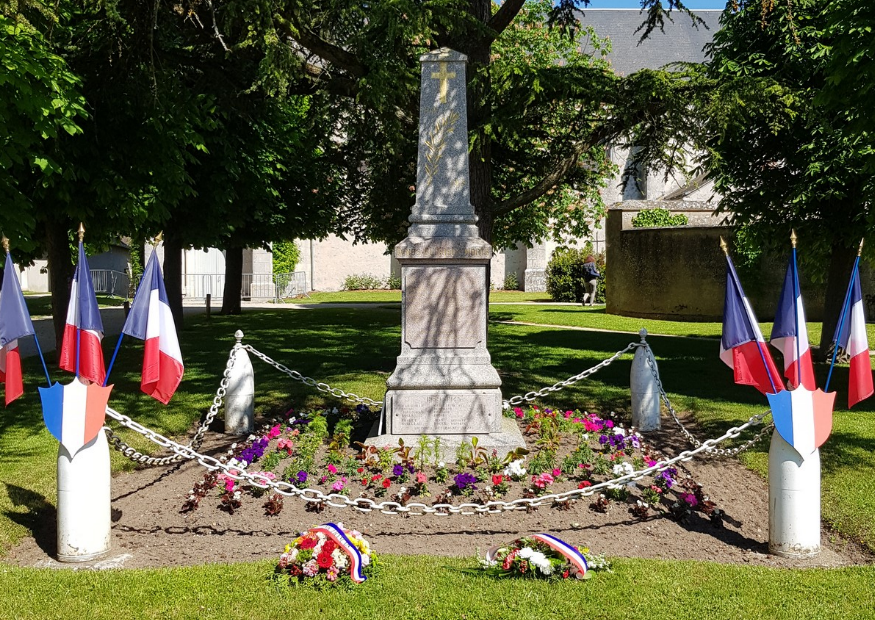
(565, 274)
(286, 255)
(658, 218)
(361, 282)
(511, 282)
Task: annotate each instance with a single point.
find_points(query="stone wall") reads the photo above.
(680, 273)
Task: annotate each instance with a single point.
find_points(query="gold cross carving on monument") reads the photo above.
(444, 76)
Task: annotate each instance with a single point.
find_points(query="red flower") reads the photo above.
(364, 482)
(329, 546)
(497, 479)
(565, 574)
(376, 477)
(387, 483)
(295, 570)
(308, 543)
(360, 470)
(325, 560)
(584, 484)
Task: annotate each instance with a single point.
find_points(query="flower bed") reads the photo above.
(570, 449)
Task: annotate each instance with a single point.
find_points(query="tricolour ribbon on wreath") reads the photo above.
(355, 557)
(569, 552)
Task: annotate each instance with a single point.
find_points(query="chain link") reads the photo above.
(532, 396)
(322, 387)
(416, 508)
(719, 452)
(196, 441)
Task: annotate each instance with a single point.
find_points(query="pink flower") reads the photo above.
(332, 469)
(568, 414)
(229, 484)
(557, 472)
(542, 480)
(518, 412)
(285, 444)
(609, 424)
(332, 573)
(275, 431)
(420, 478)
(650, 462)
(337, 486)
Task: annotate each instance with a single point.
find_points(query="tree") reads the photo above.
(778, 159)
(538, 117)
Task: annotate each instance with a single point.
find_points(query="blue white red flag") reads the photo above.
(15, 323)
(80, 348)
(850, 336)
(742, 346)
(74, 413)
(790, 334)
(803, 417)
(345, 544)
(150, 320)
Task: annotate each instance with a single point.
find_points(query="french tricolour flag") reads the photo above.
(742, 346)
(80, 349)
(15, 323)
(851, 337)
(790, 335)
(150, 320)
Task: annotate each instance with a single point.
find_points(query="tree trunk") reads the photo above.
(233, 281)
(173, 277)
(840, 263)
(60, 274)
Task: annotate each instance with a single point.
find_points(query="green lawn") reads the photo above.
(355, 349)
(348, 297)
(41, 304)
(436, 589)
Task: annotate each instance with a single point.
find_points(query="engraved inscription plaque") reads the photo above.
(445, 306)
(444, 412)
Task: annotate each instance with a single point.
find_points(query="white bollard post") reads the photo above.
(794, 501)
(84, 520)
(645, 393)
(240, 396)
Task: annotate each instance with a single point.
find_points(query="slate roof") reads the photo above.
(681, 41)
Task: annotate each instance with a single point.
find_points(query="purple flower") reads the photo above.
(609, 424)
(465, 481)
(690, 499)
(603, 439)
(301, 477)
(398, 470)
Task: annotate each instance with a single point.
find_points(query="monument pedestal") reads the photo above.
(444, 384)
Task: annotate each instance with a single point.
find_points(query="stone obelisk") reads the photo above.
(444, 383)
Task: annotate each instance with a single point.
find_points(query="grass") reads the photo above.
(348, 297)
(597, 318)
(355, 349)
(440, 589)
(40, 305)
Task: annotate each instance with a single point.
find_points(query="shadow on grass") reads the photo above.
(40, 518)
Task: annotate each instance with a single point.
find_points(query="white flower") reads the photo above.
(619, 430)
(250, 438)
(366, 559)
(515, 469)
(340, 559)
(441, 465)
(233, 445)
(621, 469)
(526, 552)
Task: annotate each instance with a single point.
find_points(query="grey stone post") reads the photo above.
(645, 393)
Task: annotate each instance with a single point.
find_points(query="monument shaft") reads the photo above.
(444, 383)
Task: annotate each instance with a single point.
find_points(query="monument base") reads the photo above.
(506, 439)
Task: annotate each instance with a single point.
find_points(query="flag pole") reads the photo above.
(155, 243)
(737, 285)
(78, 275)
(5, 243)
(796, 307)
(844, 314)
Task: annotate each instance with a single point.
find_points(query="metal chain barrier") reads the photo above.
(364, 504)
(531, 396)
(756, 419)
(196, 441)
(322, 387)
